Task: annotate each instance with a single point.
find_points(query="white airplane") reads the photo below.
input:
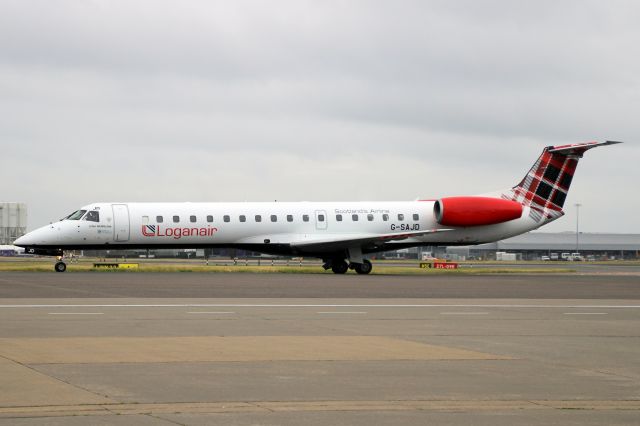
(340, 233)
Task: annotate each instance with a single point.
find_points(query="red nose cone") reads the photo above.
(475, 211)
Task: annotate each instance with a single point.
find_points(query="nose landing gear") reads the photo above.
(60, 266)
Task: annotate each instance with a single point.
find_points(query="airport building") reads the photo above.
(13, 221)
(543, 245)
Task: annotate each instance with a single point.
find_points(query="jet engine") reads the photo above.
(475, 211)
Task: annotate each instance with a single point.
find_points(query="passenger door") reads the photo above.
(120, 222)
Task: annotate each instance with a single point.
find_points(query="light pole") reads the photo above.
(578, 205)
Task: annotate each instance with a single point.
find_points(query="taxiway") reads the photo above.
(240, 349)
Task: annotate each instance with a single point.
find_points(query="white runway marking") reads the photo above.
(76, 313)
(342, 312)
(585, 313)
(464, 313)
(264, 305)
(210, 312)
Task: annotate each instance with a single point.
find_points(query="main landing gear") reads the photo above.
(362, 268)
(339, 266)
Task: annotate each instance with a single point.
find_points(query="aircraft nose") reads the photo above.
(40, 236)
(22, 241)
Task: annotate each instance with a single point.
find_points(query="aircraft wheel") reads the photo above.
(339, 267)
(363, 268)
(60, 267)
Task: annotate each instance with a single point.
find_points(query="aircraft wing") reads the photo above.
(362, 240)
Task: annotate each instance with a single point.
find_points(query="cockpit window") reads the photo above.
(92, 216)
(75, 215)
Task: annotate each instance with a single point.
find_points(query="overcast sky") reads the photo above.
(325, 100)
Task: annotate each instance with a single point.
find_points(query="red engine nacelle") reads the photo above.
(475, 211)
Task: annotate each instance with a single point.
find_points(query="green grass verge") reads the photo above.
(44, 266)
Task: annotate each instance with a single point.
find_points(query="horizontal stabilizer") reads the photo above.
(579, 148)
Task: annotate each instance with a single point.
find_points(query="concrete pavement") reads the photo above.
(249, 360)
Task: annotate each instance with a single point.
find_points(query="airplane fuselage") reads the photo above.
(264, 227)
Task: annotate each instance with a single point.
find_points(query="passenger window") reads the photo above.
(209, 218)
(192, 218)
(274, 218)
(94, 216)
(226, 218)
(289, 218)
(243, 218)
(159, 219)
(176, 219)
(338, 218)
(370, 217)
(305, 218)
(416, 216)
(354, 217)
(385, 217)
(258, 218)
(320, 218)
(400, 216)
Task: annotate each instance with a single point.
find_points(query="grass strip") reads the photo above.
(44, 266)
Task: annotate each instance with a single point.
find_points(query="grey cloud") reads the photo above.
(312, 100)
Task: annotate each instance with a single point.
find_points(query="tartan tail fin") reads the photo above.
(545, 187)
